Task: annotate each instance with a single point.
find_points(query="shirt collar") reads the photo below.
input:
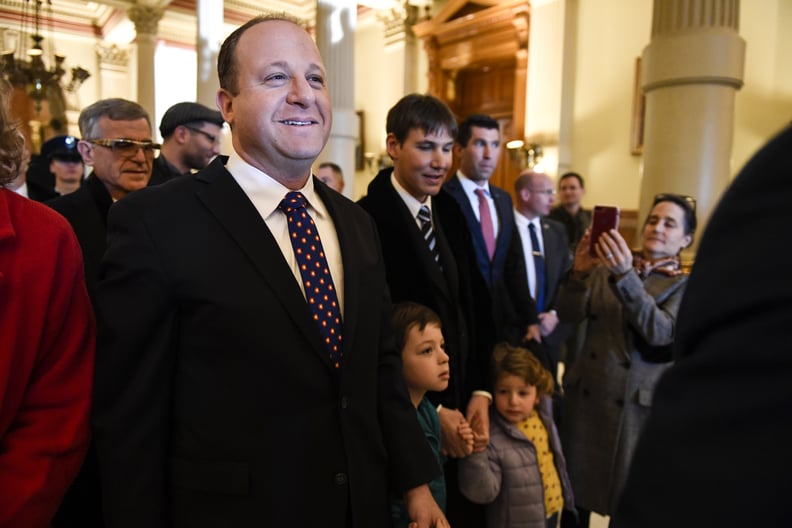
(469, 186)
(266, 191)
(409, 200)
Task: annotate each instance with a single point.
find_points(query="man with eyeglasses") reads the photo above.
(546, 257)
(190, 140)
(117, 143)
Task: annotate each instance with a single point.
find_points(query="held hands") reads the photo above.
(423, 510)
(478, 416)
(533, 333)
(456, 435)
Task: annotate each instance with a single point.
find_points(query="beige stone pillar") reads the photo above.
(691, 70)
(146, 19)
(210, 36)
(335, 38)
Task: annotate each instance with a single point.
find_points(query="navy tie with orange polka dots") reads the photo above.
(320, 291)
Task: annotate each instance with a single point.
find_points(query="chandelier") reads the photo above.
(25, 66)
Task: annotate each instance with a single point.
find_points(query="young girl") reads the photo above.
(522, 475)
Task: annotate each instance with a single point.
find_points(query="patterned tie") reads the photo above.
(485, 219)
(319, 288)
(425, 217)
(539, 265)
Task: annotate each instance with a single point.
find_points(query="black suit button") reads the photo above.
(619, 402)
(340, 479)
(585, 392)
(592, 355)
(344, 402)
(626, 364)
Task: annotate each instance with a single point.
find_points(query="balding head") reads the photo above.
(535, 193)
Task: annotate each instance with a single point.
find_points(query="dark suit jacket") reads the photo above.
(715, 450)
(414, 276)
(39, 193)
(504, 307)
(216, 403)
(558, 260)
(86, 210)
(162, 171)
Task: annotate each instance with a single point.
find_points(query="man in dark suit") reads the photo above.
(715, 450)
(489, 217)
(546, 264)
(220, 399)
(117, 143)
(190, 139)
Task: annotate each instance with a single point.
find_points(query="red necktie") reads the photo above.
(485, 219)
(320, 291)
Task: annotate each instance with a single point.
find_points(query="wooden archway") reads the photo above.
(478, 63)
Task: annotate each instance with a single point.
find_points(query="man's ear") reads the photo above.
(686, 241)
(225, 102)
(86, 151)
(392, 146)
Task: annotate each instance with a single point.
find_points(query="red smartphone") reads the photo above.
(606, 217)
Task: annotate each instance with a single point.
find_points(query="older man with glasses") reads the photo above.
(116, 142)
(191, 139)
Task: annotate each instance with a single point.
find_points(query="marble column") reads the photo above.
(146, 19)
(690, 72)
(210, 15)
(335, 38)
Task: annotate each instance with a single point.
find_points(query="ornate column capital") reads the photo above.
(112, 55)
(398, 22)
(145, 18)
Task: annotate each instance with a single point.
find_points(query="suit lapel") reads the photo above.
(230, 206)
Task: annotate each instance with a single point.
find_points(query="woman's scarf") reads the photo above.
(669, 266)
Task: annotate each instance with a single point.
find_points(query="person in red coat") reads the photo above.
(47, 342)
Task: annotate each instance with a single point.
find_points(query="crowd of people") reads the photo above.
(192, 339)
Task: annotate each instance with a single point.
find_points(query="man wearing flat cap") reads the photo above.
(65, 163)
(191, 138)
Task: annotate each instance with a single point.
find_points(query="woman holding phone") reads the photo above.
(630, 301)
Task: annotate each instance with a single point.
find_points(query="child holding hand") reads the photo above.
(522, 474)
(419, 336)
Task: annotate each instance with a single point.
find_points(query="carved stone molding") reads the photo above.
(398, 22)
(112, 55)
(145, 18)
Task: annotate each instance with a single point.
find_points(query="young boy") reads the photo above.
(522, 475)
(419, 336)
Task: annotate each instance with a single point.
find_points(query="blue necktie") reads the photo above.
(320, 291)
(539, 266)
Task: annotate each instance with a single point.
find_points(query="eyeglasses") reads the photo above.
(664, 197)
(207, 135)
(548, 192)
(127, 147)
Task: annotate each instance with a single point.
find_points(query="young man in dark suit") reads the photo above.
(223, 397)
(427, 258)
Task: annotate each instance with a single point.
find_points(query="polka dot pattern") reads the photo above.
(319, 288)
(533, 428)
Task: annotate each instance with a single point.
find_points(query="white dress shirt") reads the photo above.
(266, 194)
(469, 186)
(525, 236)
(412, 202)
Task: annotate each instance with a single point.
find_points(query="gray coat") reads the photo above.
(506, 476)
(608, 390)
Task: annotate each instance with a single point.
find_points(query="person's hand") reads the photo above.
(548, 322)
(478, 417)
(423, 510)
(533, 333)
(614, 252)
(451, 443)
(584, 262)
(465, 432)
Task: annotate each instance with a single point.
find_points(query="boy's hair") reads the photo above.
(475, 120)
(520, 362)
(409, 314)
(426, 112)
